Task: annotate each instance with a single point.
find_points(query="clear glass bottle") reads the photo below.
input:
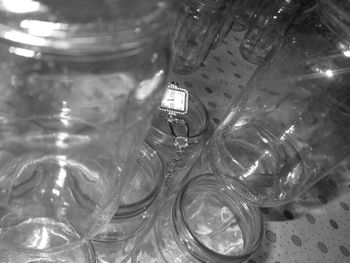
(204, 222)
(267, 28)
(139, 201)
(197, 25)
(77, 254)
(292, 124)
(80, 81)
(179, 139)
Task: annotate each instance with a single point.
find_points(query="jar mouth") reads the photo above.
(248, 159)
(54, 28)
(196, 116)
(248, 221)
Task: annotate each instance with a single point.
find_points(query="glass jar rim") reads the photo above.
(86, 248)
(209, 182)
(39, 30)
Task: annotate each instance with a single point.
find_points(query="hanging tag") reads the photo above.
(175, 100)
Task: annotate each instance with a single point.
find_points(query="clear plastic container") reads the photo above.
(80, 81)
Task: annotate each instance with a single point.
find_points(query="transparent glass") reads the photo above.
(242, 13)
(267, 28)
(80, 81)
(225, 29)
(179, 140)
(196, 27)
(292, 124)
(79, 254)
(117, 239)
(205, 222)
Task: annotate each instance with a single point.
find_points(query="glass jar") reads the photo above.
(267, 28)
(139, 201)
(80, 81)
(80, 254)
(197, 25)
(242, 12)
(204, 222)
(292, 124)
(225, 29)
(179, 140)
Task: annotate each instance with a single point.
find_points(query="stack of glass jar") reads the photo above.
(80, 83)
(82, 181)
